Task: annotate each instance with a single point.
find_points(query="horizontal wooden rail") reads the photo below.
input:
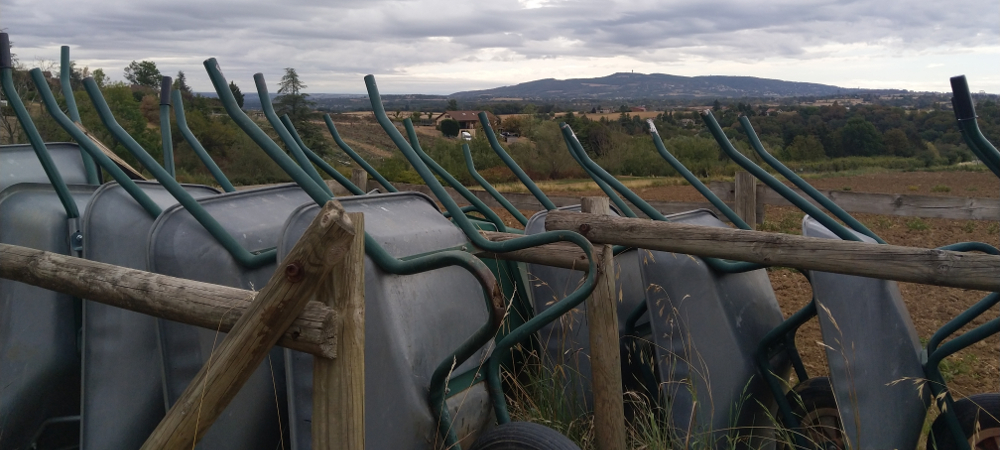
(527, 202)
(888, 262)
(957, 208)
(559, 254)
(195, 303)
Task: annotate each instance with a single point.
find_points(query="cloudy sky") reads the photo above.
(439, 47)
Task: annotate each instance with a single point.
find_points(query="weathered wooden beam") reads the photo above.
(527, 202)
(559, 254)
(191, 302)
(605, 356)
(746, 197)
(323, 245)
(956, 208)
(360, 178)
(339, 384)
(888, 262)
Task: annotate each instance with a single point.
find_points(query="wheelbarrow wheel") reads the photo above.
(523, 436)
(979, 417)
(815, 407)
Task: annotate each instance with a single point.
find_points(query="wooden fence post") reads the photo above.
(360, 178)
(746, 197)
(605, 357)
(297, 279)
(338, 420)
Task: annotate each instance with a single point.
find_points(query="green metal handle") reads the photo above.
(240, 254)
(355, 156)
(319, 195)
(619, 203)
(379, 255)
(802, 184)
(599, 173)
(65, 81)
(418, 153)
(286, 137)
(965, 113)
(471, 166)
(167, 141)
(525, 179)
(694, 181)
(199, 150)
(528, 328)
(42, 85)
(286, 121)
(37, 144)
(773, 183)
(937, 384)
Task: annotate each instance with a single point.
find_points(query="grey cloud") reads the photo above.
(342, 39)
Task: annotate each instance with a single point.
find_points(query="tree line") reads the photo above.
(135, 104)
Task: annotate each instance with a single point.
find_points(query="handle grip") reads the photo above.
(5, 60)
(165, 84)
(962, 100)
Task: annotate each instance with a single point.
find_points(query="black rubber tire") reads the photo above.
(523, 436)
(982, 407)
(815, 407)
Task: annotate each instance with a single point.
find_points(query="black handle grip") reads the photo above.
(962, 100)
(165, 84)
(5, 61)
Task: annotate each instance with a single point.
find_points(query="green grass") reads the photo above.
(917, 224)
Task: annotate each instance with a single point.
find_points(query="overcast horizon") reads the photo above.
(438, 47)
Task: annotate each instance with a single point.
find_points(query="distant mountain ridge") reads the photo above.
(657, 85)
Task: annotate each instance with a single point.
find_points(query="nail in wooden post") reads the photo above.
(605, 359)
(338, 419)
(297, 279)
(746, 197)
(360, 179)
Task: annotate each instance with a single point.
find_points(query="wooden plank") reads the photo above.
(129, 170)
(527, 202)
(559, 254)
(360, 178)
(888, 262)
(745, 194)
(957, 208)
(605, 356)
(339, 384)
(297, 279)
(195, 303)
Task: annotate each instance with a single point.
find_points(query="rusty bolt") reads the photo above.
(584, 229)
(293, 272)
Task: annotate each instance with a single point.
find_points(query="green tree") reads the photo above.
(291, 100)
(452, 105)
(450, 127)
(143, 73)
(180, 83)
(236, 93)
(897, 144)
(805, 148)
(296, 104)
(100, 78)
(860, 138)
